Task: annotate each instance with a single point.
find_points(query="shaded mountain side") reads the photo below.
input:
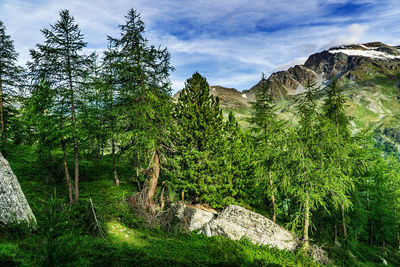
(229, 98)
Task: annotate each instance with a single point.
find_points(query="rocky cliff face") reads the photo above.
(13, 204)
(351, 62)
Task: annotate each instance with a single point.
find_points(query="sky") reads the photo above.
(230, 42)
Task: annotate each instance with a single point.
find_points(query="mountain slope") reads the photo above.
(369, 74)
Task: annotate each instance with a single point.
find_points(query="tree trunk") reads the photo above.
(76, 151)
(272, 196)
(343, 222)
(113, 161)
(398, 242)
(162, 201)
(335, 234)
(370, 226)
(67, 173)
(3, 127)
(306, 222)
(76, 155)
(152, 184)
(383, 245)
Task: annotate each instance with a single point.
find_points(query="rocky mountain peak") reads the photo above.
(347, 61)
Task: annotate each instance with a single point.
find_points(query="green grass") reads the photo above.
(63, 238)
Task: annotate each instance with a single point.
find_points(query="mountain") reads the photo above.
(351, 62)
(369, 74)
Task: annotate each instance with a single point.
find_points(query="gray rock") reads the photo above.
(13, 204)
(189, 218)
(236, 222)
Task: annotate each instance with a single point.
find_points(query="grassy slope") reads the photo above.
(62, 239)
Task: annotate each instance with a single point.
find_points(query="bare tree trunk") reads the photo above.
(162, 201)
(183, 196)
(3, 126)
(152, 184)
(272, 196)
(306, 222)
(67, 173)
(137, 180)
(343, 222)
(113, 160)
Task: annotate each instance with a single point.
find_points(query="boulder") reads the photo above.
(190, 218)
(13, 204)
(236, 222)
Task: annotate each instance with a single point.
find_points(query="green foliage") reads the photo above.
(270, 151)
(204, 169)
(141, 83)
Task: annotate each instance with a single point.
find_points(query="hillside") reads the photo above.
(368, 73)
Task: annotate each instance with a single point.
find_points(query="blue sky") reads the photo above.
(230, 42)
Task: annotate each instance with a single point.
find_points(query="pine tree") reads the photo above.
(144, 103)
(9, 77)
(61, 62)
(239, 157)
(200, 144)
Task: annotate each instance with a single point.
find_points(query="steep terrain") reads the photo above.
(369, 74)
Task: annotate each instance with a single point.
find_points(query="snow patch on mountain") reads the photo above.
(364, 53)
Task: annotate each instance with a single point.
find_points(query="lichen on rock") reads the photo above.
(13, 205)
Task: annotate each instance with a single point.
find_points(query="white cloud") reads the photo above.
(354, 35)
(231, 41)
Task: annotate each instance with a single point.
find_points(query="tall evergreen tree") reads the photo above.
(61, 62)
(267, 130)
(9, 76)
(239, 157)
(309, 184)
(200, 144)
(339, 147)
(144, 103)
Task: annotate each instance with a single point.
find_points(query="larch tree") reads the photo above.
(143, 95)
(308, 183)
(267, 131)
(61, 62)
(9, 76)
(339, 147)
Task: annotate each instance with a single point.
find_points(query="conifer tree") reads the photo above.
(267, 130)
(200, 144)
(61, 62)
(239, 157)
(144, 103)
(9, 76)
(339, 146)
(309, 184)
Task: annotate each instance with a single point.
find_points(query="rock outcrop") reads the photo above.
(236, 222)
(13, 204)
(189, 218)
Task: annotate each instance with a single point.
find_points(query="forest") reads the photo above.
(85, 132)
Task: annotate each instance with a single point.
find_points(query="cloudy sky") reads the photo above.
(231, 42)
